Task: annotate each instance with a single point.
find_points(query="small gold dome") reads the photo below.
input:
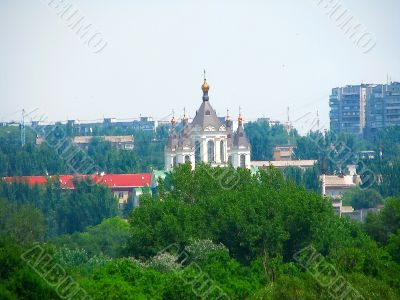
(205, 87)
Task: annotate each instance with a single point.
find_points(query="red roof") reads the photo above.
(124, 180)
(110, 180)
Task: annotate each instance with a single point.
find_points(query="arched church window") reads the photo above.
(197, 153)
(210, 151)
(230, 159)
(187, 158)
(222, 151)
(243, 161)
(174, 161)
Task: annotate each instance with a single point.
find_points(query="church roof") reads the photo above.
(173, 139)
(240, 138)
(184, 138)
(206, 116)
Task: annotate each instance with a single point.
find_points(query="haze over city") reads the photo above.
(264, 56)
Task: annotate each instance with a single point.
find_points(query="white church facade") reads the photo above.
(207, 140)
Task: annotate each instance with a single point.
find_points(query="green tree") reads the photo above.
(22, 223)
(108, 238)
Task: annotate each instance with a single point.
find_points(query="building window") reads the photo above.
(120, 195)
(208, 113)
(230, 159)
(187, 158)
(210, 151)
(222, 151)
(197, 153)
(243, 161)
(174, 161)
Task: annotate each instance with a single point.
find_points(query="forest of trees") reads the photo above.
(334, 150)
(198, 240)
(49, 159)
(209, 233)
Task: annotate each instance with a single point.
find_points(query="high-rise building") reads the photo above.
(347, 106)
(383, 107)
(362, 109)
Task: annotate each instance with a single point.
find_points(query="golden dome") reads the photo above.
(205, 87)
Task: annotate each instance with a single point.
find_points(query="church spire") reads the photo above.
(173, 121)
(205, 87)
(227, 119)
(185, 118)
(240, 119)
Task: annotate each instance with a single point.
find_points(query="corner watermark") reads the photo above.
(76, 159)
(351, 27)
(325, 274)
(202, 285)
(54, 274)
(76, 21)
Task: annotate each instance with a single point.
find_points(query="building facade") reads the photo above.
(122, 142)
(365, 108)
(207, 139)
(347, 109)
(383, 107)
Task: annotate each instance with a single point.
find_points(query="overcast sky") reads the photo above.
(261, 55)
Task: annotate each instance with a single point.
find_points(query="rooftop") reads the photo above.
(67, 181)
(283, 163)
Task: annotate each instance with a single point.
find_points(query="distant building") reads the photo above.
(123, 142)
(347, 109)
(383, 107)
(207, 139)
(367, 154)
(268, 121)
(363, 109)
(283, 152)
(281, 164)
(334, 186)
(87, 128)
(360, 214)
(126, 187)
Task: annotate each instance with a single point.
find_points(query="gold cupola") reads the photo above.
(205, 87)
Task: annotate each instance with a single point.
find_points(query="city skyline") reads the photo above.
(264, 57)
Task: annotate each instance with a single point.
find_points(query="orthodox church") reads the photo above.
(207, 139)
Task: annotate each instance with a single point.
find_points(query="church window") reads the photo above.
(174, 161)
(242, 161)
(210, 151)
(230, 159)
(187, 158)
(197, 153)
(208, 112)
(222, 151)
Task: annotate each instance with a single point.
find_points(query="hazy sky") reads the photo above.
(260, 55)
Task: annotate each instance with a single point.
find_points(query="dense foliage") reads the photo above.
(65, 211)
(107, 238)
(220, 233)
(208, 233)
(51, 157)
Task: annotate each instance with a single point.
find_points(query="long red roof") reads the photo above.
(110, 180)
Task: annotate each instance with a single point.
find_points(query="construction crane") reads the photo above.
(22, 126)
